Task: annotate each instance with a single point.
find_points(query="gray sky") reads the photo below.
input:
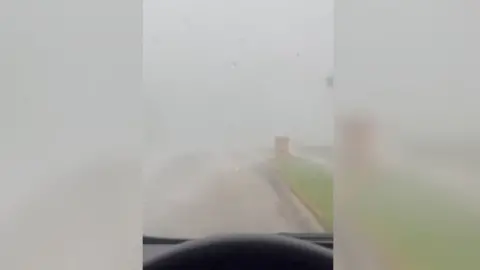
(413, 63)
(222, 72)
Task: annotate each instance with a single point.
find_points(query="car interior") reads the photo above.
(240, 251)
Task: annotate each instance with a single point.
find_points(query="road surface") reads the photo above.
(219, 193)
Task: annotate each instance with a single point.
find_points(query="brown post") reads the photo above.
(355, 148)
(357, 142)
(282, 147)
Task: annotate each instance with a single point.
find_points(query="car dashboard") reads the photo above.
(155, 247)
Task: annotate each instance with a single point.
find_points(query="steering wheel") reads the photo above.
(245, 252)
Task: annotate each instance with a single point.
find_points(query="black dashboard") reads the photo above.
(154, 248)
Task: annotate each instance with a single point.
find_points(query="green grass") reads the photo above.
(313, 185)
(419, 226)
(414, 224)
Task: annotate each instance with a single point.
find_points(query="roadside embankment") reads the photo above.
(311, 183)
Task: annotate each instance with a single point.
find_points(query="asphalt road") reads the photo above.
(206, 194)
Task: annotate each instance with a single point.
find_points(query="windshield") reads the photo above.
(240, 122)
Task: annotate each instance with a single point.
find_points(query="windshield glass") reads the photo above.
(240, 122)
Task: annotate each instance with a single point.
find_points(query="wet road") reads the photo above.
(206, 194)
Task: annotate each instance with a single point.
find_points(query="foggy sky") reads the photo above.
(413, 64)
(235, 73)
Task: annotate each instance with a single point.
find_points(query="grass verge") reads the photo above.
(419, 226)
(313, 185)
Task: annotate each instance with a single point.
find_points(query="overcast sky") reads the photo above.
(238, 72)
(413, 63)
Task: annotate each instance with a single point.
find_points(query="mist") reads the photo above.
(234, 75)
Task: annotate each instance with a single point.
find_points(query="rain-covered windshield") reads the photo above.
(240, 123)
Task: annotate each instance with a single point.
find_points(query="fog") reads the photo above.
(70, 135)
(413, 65)
(217, 75)
(236, 74)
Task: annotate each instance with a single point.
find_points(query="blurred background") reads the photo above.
(386, 130)
(410, 68)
